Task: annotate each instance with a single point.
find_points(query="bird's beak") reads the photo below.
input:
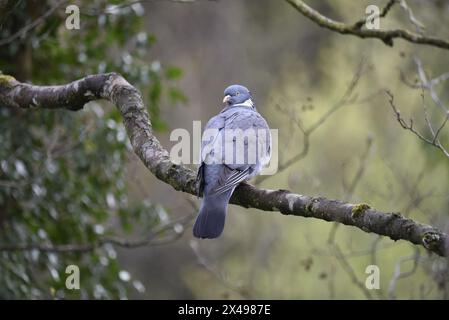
(226, 99)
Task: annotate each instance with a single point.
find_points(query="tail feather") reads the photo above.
(211, 218)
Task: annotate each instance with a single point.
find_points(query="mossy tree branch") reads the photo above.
(128, 100)
(356, 29)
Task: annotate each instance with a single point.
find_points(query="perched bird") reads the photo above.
(236, 145)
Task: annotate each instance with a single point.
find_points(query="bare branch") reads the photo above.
(387, 36)
(410, 126)
(222, 277)
(435, 137)
(151, 240)
(350, 271)
(346, 99)
(398, 274)
(23, 31)
(359, 24)
(349, 189)
(112, 9)
(430, 84)
(419, 25)
(128, 100)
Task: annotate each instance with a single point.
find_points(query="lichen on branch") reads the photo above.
(128, 100)
(386, 36)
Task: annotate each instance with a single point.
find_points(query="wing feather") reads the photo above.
(232, 180)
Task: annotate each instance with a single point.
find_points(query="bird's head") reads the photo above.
(237, 95)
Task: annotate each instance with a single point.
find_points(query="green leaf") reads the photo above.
(176, 95)
(173, 73)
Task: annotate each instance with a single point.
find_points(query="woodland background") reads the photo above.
(71, 177)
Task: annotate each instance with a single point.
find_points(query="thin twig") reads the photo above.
(359, 24)
(112, 9)
(219, 275)
(386, 36)
(398, 274)
(350, 271)
(411, 17)
(410, 126)
(346, 99)
(23, 31)
(152, 239)
(128, 100)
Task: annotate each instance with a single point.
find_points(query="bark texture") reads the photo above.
(128, 100)
(356, 29)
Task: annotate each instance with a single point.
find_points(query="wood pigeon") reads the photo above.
(236, 145)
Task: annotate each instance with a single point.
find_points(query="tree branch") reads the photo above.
(359, 24)
(434, 141)
(347, 98)
(23, 31)
(128, 100)
(387, 36)
(152, 239)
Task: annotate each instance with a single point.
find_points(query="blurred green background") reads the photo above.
(71, 177)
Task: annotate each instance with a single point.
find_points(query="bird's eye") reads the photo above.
(237, 93)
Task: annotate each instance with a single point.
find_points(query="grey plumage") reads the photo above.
(236, 146)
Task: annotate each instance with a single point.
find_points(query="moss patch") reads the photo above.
(359, 209)
(309, 206)
(6, 80)
(396, 215)
(431, 240)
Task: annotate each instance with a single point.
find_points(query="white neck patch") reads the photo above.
(248, 103)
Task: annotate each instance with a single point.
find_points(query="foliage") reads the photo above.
(62, 173)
